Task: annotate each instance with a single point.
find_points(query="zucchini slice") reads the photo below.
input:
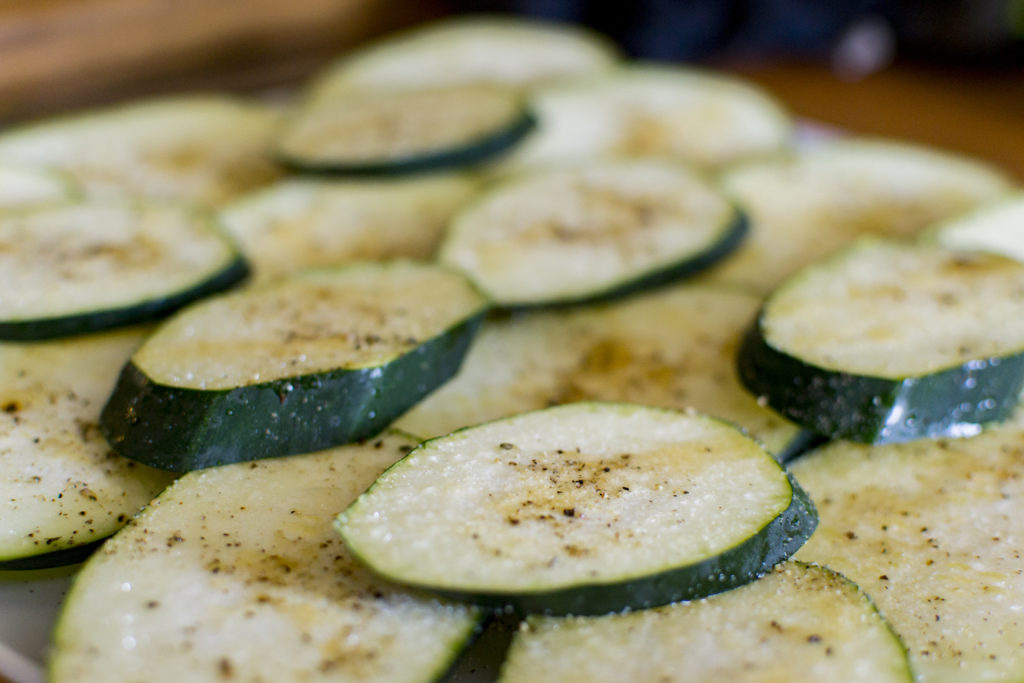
(591, 232)
(695, 116)
(675, 348)
(61, 487)
(465, 50)
(889, 341)
(585, 508)
(931, 530)
(87, 266)
(203, 148)
(235, 573)
(996, 227)
(297, 224)
(303, 363)
(806, 205)
(406, 131)
(799, 622)
(22, 186)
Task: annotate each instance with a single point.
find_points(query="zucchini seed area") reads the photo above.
(578, 494)
(359, 316)
(79, 258)
(799, 622)
(578, 233)
(894, 310)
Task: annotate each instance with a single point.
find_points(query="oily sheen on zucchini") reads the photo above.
(931, 530)
(889, 341)
(586, 508)
(799, 622)
(234, 573)
(61, 488)
(78, 267)
(299, 364)
(405, 131)
(591, 232)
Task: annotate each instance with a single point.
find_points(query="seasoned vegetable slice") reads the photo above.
(591, 232)
(675, 348)
(695, 116)
(297, 224)
(404, 131)
(800, 622)
(584, 508)
(85, 266)
(235, 572)
(889, 341)
(303, 363)
(930, 529)
(203, 148)
(996, 227)
(804, 206)
(470, 50)
(61, 487)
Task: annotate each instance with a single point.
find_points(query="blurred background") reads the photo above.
(944, 72)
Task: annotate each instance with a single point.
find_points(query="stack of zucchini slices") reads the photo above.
(677, 306)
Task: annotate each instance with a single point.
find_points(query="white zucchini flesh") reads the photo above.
(93, 256)
(674, 348)
(199, 148)
(589, 231)
(61, 486)
(397, 127)
(897, 309)
(357, 316)
(997, 227)
(698, 117)
(466, 50)
(806, 205)
(799, 622)
(930, 529)
(235, 573)
(295, 224)
(25, 186)
(586, 494)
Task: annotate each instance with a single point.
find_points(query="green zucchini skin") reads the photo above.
(58, 558)
(737, 566)
(182, 429)
(877, 410)
(154, 309)
(477, 151)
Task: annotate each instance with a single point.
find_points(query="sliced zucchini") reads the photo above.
(996, 227)
(585, 508)
(303, 363)
(26, 186)
(675, 348)
(86, 266)
(406, 131)
(203, 148)
(703, 118)
(235, 573)
(591, 232)
(806, 205)
(297, 224)
(931, 530)
(799, 622)
(889, 341)
(61, 487)
(464, 50)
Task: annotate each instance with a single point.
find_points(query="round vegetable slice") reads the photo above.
(591, 232)
(404, 131)
(586, 508)
(84, 266)
(235, 573)
(889, 341)
(996, 227)
(800, 622)
(295, 365)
